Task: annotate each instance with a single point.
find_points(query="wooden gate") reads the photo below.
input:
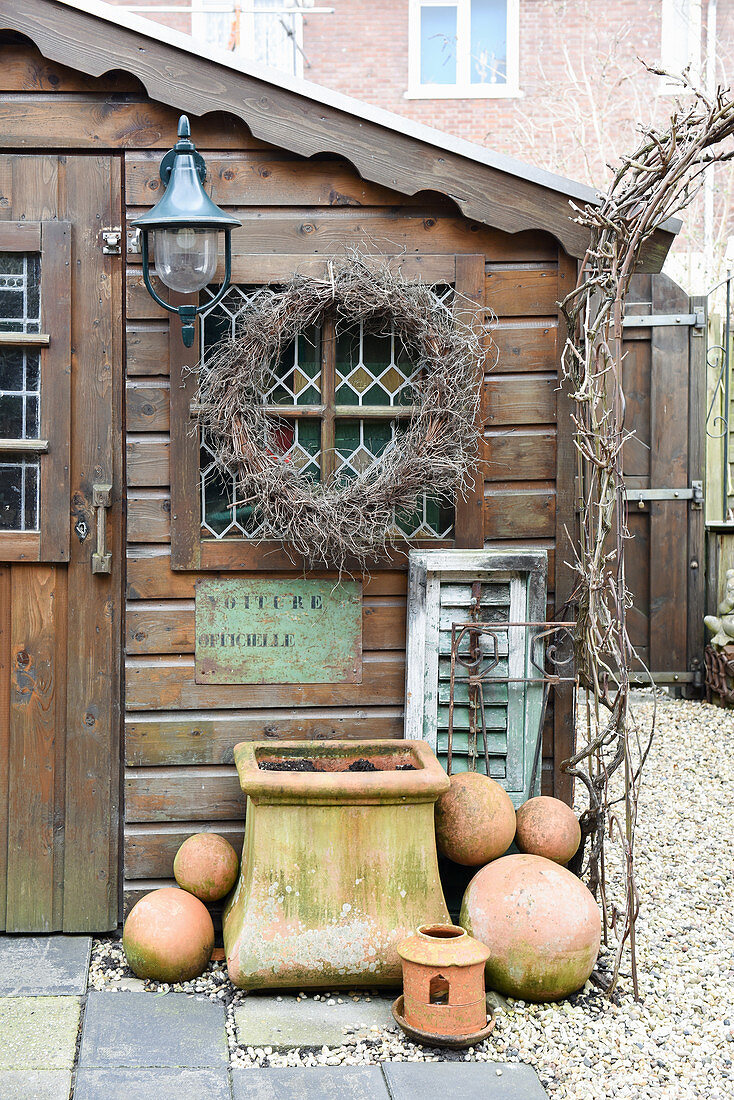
(60, 456)
(664, 379)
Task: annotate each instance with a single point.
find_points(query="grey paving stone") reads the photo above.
(319, 1083)
(43, 965)
(152, 1084)
(262, 1020)
(40, 1084)
(38, 1032)
(469, 1080)
(149, 1030)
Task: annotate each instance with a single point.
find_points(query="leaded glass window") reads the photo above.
(340, 398)
(20, 390)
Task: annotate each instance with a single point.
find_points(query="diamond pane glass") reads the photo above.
(297, 382)
(358, 444)
(372, 368)
(298, 377)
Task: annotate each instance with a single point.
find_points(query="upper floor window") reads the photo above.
(680, 45)
(463, 49)
(263, 30)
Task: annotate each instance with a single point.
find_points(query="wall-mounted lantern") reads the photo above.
(187, 225)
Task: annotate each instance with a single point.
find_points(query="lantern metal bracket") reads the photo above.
(167, 165)
(187, 312)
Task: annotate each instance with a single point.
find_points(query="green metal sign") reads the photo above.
(278, 631)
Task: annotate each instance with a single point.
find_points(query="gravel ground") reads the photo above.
(678, 1042)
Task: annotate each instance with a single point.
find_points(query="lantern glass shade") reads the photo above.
(186, 258)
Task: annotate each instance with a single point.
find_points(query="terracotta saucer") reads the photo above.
(453, 1042)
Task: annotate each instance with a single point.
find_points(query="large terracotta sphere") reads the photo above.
(168, 936)
(540, 923)
(548, 827)
(206, 865)
(475, 820)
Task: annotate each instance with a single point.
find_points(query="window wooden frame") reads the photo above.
(52, 239)
(189, 549)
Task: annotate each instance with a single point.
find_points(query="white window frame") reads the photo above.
(199, 15)
(463, 88)
(668, 33)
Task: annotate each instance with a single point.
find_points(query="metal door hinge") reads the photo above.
(694, 494)
(112, 240)
(659, 320)
(636, 678)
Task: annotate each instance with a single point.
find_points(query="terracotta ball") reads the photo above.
(168, 936)
(540, 923)
(206, 865)
(548, 827)
(475, 820)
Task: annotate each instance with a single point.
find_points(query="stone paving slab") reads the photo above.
(38, 1032)
(318, 1083)
(468, 1080)
(35, 1084)
(44, 965)
(263, 1021)
(151, 1084)
(148, 1030)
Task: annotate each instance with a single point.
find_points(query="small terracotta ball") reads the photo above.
(168, 936)
(475, 820)
(548, 827)
(540, 923)
(206, 866)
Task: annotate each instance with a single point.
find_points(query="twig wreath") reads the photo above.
(345, 522)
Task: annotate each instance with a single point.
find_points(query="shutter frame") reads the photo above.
(523, 573)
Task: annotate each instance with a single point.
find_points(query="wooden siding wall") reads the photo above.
(179, 736)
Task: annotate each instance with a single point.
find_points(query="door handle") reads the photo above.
(101, 500)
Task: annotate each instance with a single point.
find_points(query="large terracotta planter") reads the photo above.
(338, 866)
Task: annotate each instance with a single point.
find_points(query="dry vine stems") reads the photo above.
(345, 523)
(657, 181)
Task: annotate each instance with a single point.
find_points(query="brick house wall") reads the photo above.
(583, 92)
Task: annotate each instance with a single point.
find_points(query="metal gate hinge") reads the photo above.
(658, 320)
(112, 240)
(694, 494)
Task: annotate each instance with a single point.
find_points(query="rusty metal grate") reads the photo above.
(476, 654)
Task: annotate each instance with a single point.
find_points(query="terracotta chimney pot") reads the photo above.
(443, 981)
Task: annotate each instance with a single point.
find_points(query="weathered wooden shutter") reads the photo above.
(512, 589)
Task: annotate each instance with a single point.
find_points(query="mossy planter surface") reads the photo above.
(338, 866)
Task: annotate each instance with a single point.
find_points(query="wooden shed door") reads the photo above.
(60, 465)
(664, 378)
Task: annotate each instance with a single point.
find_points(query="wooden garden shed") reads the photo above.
(110, 751)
